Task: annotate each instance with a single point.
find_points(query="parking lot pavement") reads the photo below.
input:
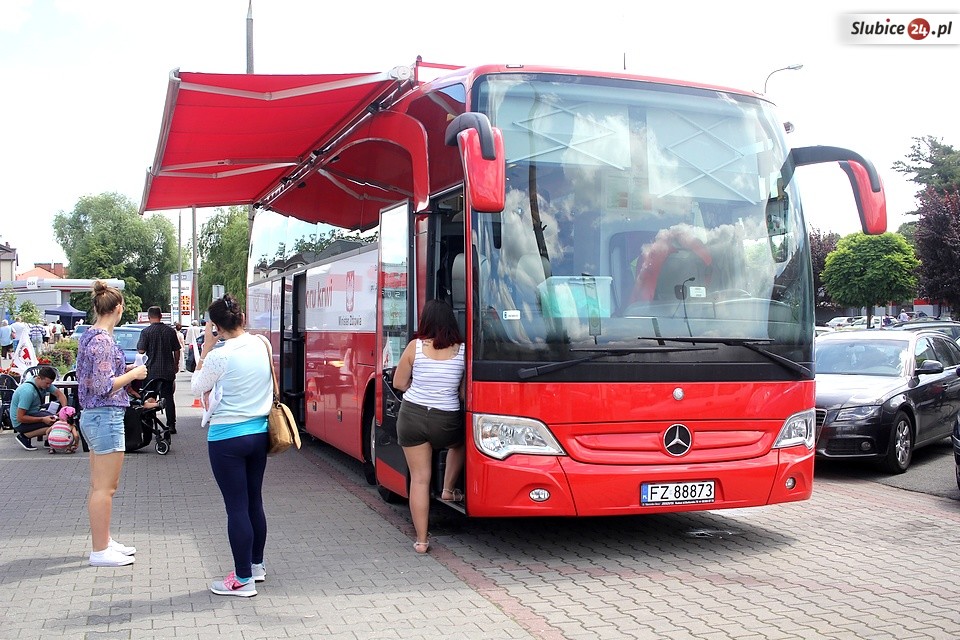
(336, 569)
(859, 560)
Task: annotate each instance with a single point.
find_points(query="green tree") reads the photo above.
(223, 246)
(29, 312)
(931, 163)
(821, 244)
(317, 242)
(908, 230)
(8, 302)
(865, 271)
(105, 237)
(938, 242)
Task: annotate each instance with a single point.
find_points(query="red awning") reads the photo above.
(240, 139)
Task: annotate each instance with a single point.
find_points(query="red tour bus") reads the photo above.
(627, 256)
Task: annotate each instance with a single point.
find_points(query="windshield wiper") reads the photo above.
(533, 372)
(754, 344)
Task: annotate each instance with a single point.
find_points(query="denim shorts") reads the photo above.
(102, 428)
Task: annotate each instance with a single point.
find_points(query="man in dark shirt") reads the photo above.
(160, 343)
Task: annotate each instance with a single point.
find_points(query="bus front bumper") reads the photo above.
(524, 485)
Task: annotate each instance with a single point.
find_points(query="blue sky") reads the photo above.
(86, 79)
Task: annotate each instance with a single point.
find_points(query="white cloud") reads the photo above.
(13, 14)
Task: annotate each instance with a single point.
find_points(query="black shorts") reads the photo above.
(417, 425)
(5, 350)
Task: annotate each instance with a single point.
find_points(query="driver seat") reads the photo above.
(670, 262)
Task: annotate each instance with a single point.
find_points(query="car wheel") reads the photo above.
(957, 466)
(900, 448)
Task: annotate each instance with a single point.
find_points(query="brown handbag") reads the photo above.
(281, 425)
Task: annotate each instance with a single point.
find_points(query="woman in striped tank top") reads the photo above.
(430, 373)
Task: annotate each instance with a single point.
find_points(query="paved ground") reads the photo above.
(859, 560)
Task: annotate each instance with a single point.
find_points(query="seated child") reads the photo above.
(62, 435)
(137, 398)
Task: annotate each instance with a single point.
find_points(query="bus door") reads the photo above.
(292, 344)
(395, 329)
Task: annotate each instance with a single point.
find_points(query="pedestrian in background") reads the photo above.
(194, 331)
(161, 344)
(102, 376)
(241, 375)
(179, 329)
(38, 336)
(6, 340)
(20, 329)
(430, 373)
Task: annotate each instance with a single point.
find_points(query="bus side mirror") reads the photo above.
(864, 179)
(482, 155)
(872, 205)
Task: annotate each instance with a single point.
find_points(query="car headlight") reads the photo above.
(800, 428)
(858, 413)
(502, 436)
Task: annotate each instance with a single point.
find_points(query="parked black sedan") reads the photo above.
(881, 394)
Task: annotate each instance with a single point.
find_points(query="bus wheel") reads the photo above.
(369, 470)
(388, 496)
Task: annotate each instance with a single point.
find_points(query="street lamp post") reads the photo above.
(179, 266)
(792, 67)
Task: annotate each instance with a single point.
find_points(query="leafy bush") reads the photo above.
(61, 356)
(70, 344)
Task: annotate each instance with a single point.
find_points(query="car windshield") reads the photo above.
(887, 358)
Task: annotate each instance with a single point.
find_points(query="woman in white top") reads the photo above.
(240, 374)
(430, 373)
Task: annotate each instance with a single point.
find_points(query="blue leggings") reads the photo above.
(238, 465)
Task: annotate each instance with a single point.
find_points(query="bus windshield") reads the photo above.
(637, 211)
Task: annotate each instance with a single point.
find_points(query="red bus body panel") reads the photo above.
(607, 462)
(338, 369)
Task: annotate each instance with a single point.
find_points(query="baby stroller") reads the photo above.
(141, 424)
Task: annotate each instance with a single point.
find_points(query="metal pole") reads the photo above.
(179, 265)
(196, 273)
(250, 210)
(250, 37)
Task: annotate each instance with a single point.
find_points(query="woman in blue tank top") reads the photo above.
(430, 373)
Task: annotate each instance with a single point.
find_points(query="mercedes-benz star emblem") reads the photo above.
(677, 440)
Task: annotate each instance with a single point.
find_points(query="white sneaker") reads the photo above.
(122, 548)
(110, 558)
(259, 572)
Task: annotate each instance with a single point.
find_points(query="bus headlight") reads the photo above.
(502, 436)
(800, 428)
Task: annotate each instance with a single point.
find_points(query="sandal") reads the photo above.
(421, 547)
(452, 495)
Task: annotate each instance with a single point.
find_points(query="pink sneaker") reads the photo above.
(230, 586)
